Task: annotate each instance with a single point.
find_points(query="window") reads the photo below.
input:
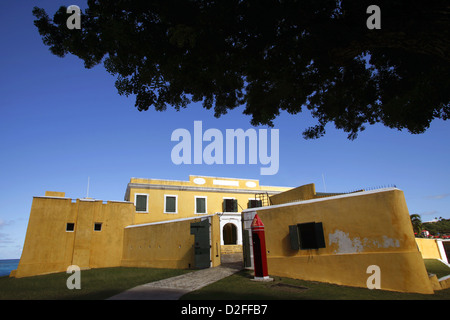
(254, 203)
(170, 204)
(98, 226)
(70, 227)
(306, 236)
(200, 205)
(140, 201)
(230, 205)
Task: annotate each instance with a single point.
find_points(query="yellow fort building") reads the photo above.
(195, 224)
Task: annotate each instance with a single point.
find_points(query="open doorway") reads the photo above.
(229, 234)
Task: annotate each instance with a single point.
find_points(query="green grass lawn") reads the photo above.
(95, 283)
(436, 267)
(239, 287)
(103, 283)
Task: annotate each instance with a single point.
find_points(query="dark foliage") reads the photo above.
(271, 55)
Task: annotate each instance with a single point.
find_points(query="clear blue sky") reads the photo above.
(61, 123)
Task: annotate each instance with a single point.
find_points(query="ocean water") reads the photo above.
(6, 266)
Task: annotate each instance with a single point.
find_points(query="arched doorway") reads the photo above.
(229, 234)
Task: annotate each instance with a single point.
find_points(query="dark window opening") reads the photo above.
(98, 226)
(200, 205)
(256, 203)
(171, 204)
(230, 205)
(229, 234)
(141, 203)
(306, 236)
(70, 226)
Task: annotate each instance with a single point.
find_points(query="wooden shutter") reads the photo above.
(141, 202)
(293, 236)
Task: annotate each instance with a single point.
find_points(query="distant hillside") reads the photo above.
(441, 227)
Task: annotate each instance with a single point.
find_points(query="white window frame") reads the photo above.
(206, 204)
(176, 203)
(135, 198)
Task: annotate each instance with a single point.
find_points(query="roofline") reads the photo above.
(347, 195)
(194, 188)
(169, 221)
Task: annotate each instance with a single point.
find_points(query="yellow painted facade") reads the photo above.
(359, 230)
(429, 248)
(170, 246)
(96, 234)
(154, 226)
(214, 189)
(61, 232)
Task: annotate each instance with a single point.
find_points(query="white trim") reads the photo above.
(206, 204)
(199, 181)
(168, 221)
(146, 203)
(176, 203)
(51, 197)
(355, 194)
(440, 246)
(232, 183)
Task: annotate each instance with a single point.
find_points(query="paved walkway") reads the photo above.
(173, 288)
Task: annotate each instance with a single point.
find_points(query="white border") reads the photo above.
(168, 221)
(206, 204)
(176, 203)
(141, 194)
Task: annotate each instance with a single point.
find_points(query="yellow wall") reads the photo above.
(186, 196)
(428, 248)
(362, 229)
(50, 248)
(305, 192)
(166, 245)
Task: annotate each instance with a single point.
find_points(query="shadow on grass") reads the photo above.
(239, 287)
(96, 284)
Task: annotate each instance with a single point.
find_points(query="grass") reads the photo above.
(96, 284)
(437, 267)
(239, 287)
(99, 284)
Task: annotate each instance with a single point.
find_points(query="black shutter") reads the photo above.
(320, 241)
(293, 236)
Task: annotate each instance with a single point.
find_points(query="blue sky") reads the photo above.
(61, 123)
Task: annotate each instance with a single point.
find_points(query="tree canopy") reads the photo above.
(271, 55)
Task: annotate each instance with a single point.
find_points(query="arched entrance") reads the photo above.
(229, 234)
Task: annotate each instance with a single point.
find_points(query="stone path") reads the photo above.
(173, 288)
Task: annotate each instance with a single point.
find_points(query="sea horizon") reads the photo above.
(7, 265)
